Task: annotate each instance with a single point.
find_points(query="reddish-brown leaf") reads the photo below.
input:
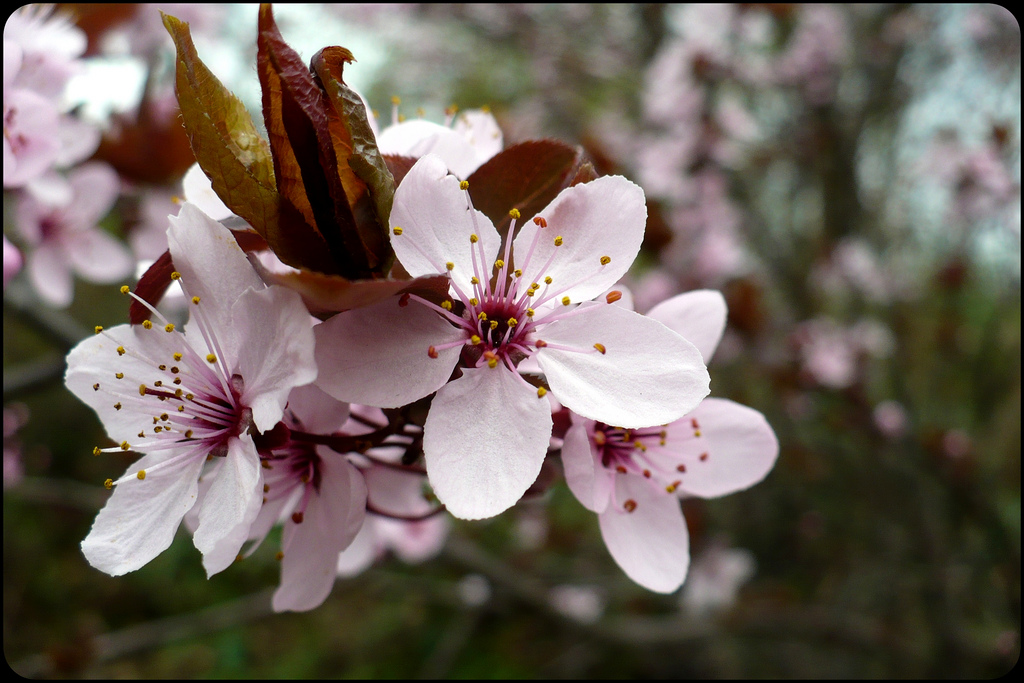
(526, 177)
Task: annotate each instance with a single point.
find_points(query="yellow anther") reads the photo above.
(535, 286)
(518, 272)
(195, 300)
(157, 429)
(142, 390)
(481, 316)
(125, 446)
(117, 406)
(279, 556)
(494, 324)
(446, 305)
(175, 275)
(450, 265)
(148, 324)
(696, 433)
(142, 434)
(210, 358)
(169, 327)
(99, 328)
(432, 352)
(474, 280)
(401, 118)
(600, 347)
(174, 370)
(420, 112)
(485, 109)
(163, 416)
(189, 433)
(397, 230)
(558, 241)
(464, 185)
(178, 392)
(396, 100)
(530, 312)
(141, 474)
(547, 280)
(96, 387)
(125, 289)
(566, 301)
(474, 340)
(492, 363)
(96, 450)
(188, 397)
(177, 380)
(108, 484)
(119, 375)
(605, 260)
(512, 322)
(474, 301)
(161, 367)
(499, 264)
(514, 213)
(541, 391)
(474, 239)
(600, 438)
(671, 488)
(177, 356)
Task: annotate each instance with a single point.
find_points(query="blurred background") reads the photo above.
(849, 178)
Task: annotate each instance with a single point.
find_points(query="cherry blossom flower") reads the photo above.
(12, 261)
(65, 238)
(632, 478)
(487, 432)
(715, 579)
(473, 138)
(31, 143)
(320, 497)
(181, 398)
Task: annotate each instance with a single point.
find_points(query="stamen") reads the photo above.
(613, 296)
(148, 324)
(558, 241)
(629, 505)
(600, 347)
(125, 289)
(464, 185)
(99, 328)
(541, 391)
(605, 260)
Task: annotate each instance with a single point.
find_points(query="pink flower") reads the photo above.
(473, 139)
(31, 142)
(632, 478)
(318, 495)
(12, 261)
(179, 398)
(65, 238)
(487, 431)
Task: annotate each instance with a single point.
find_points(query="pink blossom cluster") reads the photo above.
(60, 200)
(257, 414)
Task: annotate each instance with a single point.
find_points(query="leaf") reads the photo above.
(367, 180)
(526, 177)
(296, 115)
(237, 159)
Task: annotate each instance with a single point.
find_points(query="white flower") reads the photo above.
(487, 432)
(180, 398)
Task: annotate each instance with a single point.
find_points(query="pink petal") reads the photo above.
(96, 186)
(588, 481)
(230, 505)
(140, 518)
(98, 257)
(276, 353)
(377, 355)
(330, 522)
(647, 374)
(698, 316)
(651, 543)
(485, 439)
(436, 223)
(312, 410)
(739, 444)
(606, 217)
(361, 553)
(49, 274)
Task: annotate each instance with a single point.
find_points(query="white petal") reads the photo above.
(277, 350)
(648, 374)
(485, 439)
(396, 491)
(96, 186)
(330, 522)
(481, 129)
(698, 316)
(414, 542)
(210, 261)
(199, 191)
(361, 552)
(140, 518)
(377, 355)
(230, 506)
(740, 445)
(605, 217)
(437, 221)
(651, 543)
(587, 480)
